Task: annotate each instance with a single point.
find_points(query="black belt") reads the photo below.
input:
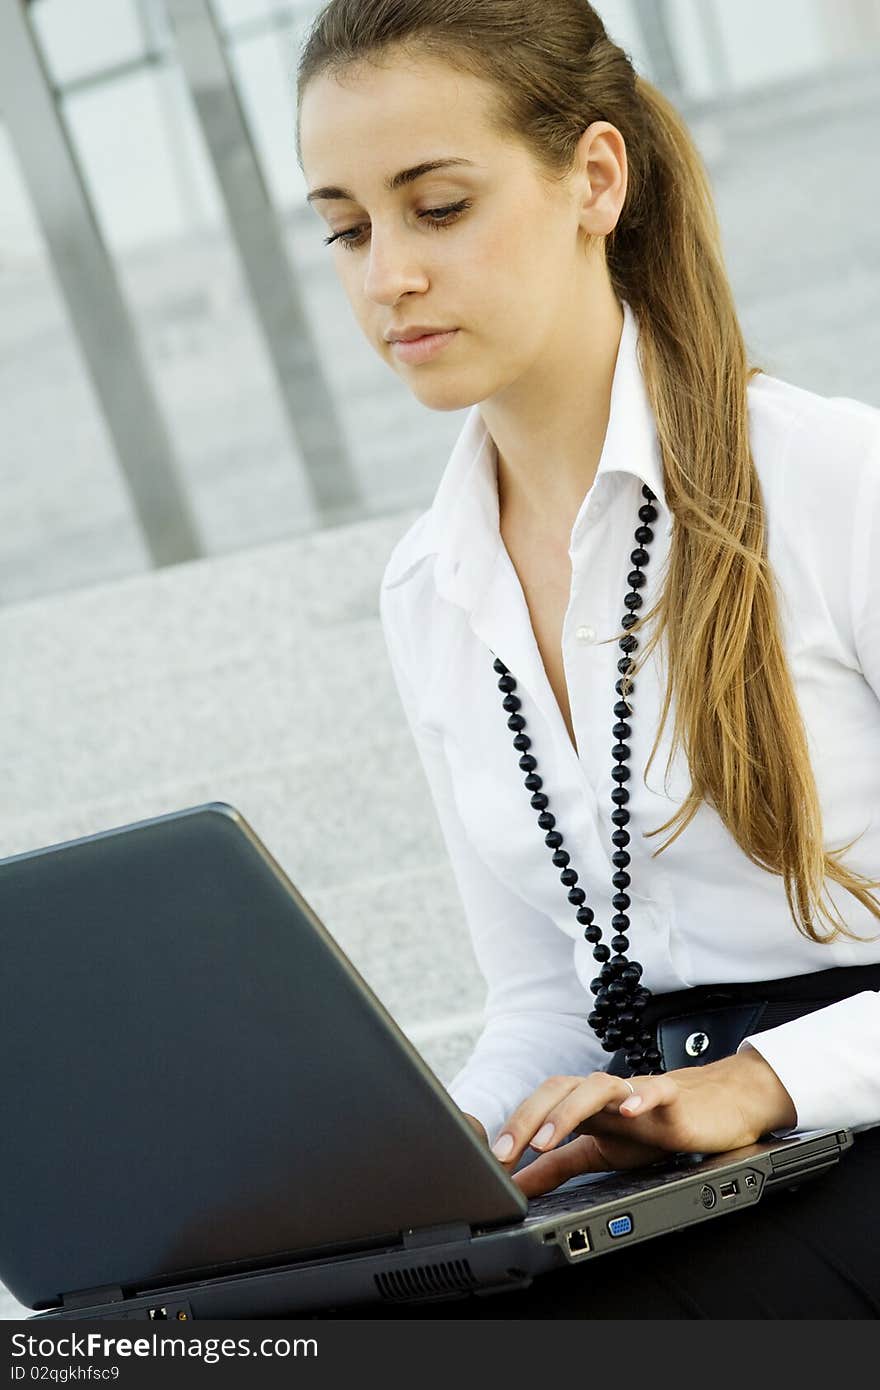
(702, 1024)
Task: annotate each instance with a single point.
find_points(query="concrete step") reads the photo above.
(260, 679)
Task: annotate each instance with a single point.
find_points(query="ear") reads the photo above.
(601, 178)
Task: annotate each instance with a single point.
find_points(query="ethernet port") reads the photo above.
(578, 1242)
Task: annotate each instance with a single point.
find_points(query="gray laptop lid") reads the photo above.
(196, 1079)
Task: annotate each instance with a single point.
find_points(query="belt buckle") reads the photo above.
(701, 1036)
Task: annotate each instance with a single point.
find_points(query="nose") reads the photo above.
(394, 267)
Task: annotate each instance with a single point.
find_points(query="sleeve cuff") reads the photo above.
(826, 1060)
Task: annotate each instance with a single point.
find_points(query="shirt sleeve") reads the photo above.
(536, 1008)
(829, 1060)
(828, 1063)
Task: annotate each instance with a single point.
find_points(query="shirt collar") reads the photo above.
(462, 525)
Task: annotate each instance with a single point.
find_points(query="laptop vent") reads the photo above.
(426, 1281)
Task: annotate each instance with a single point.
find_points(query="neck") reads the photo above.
(549, 428)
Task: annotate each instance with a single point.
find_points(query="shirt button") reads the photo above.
(586, 634)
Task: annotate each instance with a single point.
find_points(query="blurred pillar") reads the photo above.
(259, 243)
(153, 24)
(656, 25)
(91, 290)
(851, 26)
(715, 46)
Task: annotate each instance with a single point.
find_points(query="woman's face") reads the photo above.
(499, 257)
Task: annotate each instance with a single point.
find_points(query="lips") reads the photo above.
(416, 331)
(424, 347)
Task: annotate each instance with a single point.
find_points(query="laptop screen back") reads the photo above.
(194, 1076)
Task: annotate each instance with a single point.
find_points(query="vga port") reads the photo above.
(620, 1226)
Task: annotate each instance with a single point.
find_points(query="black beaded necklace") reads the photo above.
(616, 1017)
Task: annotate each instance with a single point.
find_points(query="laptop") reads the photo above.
(209, 1114)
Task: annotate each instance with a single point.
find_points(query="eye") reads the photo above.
(444, 218)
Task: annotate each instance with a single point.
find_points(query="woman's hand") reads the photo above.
(477, 1126)
(710, 1109)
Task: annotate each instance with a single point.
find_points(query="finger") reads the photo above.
(530, 1118)
(551, 1169)
(651, 1093)
(596, 1093)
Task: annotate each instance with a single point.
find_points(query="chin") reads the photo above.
(452, 390)
(446, 401)
(452, 397)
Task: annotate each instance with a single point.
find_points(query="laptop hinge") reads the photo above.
(83, 1298)
(436, 1235)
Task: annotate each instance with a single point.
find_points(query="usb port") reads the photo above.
(729, 1189)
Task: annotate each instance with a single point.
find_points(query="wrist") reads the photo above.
(763, 1098)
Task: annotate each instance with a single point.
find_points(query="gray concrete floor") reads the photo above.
(259, 675)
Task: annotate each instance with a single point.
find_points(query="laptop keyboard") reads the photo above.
(550, 1202)
(605, 1187)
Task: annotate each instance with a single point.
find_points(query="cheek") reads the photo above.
(367, 315)
(488, 277)
(514, 269)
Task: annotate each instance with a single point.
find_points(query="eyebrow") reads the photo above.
(394, 182)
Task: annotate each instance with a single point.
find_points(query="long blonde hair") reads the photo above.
(555, 71)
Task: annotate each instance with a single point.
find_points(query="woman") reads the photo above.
(501, 188)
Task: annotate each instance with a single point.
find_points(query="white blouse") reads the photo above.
(701, 912)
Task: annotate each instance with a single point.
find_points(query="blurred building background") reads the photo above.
(783, 99)
(204, 466)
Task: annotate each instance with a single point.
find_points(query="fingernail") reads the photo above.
(503, 1147)
(634, 1103)
(544, 1135)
